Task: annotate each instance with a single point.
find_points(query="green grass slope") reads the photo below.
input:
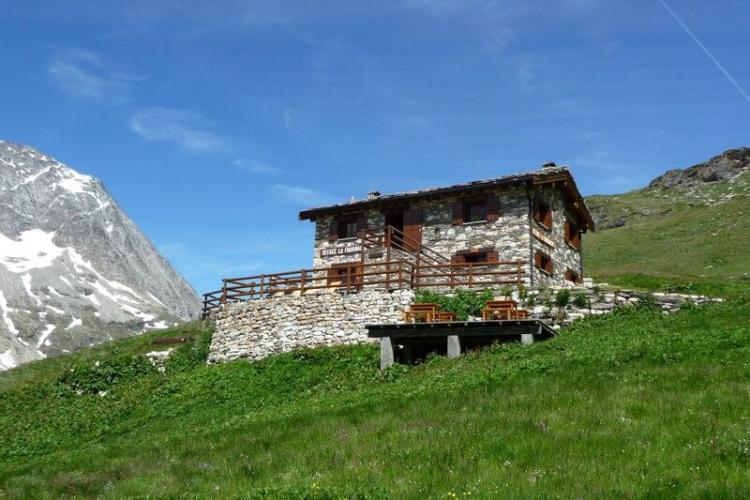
(690, 241)
(632, 404)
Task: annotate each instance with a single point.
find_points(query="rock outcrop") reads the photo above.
(724, 167)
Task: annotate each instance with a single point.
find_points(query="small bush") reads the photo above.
(463, 303)
(88, 378)
(581, 300)
(562, 298)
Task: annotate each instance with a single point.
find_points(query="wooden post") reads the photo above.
(224, 292)
(518, 274)
(303, 275)
(471, 272)
(417, 265)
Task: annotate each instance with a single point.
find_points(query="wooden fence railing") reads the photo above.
(388, 275)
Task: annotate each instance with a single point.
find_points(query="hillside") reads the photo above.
(688, 228)
(74, 269)
(632, 404)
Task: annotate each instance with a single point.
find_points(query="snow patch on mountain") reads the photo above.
(34, 249)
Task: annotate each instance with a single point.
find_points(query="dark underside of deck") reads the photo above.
(462, 328)
(412, 342)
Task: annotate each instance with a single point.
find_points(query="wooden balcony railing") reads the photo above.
(388, 275)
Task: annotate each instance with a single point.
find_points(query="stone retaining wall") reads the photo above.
(259, 328)
(599, 299)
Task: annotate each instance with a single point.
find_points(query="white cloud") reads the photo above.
(184, 128)
(300, 195)
(256, 167)
(82, 75)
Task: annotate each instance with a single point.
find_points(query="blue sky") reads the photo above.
(214, 123)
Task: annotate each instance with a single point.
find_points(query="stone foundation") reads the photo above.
(259, 328)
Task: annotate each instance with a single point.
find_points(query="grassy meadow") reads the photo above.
(634, 404)
(694, 242)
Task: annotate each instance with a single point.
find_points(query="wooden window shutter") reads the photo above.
(492, 256)
(361, 226)
(493, 209)
(538, 259)
(549, 267)
(548, 217)
(577, 239)
(333, 230)
(458, 212)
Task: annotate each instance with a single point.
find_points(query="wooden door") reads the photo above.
(413, 229)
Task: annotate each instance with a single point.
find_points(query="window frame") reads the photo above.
(343, 224)
(572, 234)
(475, 204)
(339, 273)
(572, 276)
(542, 217)
(547, 267)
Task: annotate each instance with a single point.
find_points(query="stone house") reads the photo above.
(371, 255)
(534, 220)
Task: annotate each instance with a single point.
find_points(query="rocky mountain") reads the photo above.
(74, 269)
(717, 180)
(724, 167)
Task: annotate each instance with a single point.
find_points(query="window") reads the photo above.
(345, 275)
(572, 276)
(543, 213)
(346, 227)
(572, 235)
(475, 211)
(486, 209)
(543, 262)
(475, 257)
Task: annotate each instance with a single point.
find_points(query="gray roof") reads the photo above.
(540, 176)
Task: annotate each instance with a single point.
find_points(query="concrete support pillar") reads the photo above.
(386, 353)
(527, 338)
(454, 346)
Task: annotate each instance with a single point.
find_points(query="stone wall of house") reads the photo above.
(259, 328)
(509, 236)
(552, 242)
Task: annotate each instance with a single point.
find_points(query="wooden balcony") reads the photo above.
(385, 275)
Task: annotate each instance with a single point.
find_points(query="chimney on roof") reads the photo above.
(373, 195)
(549, 164)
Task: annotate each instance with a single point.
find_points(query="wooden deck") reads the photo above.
(411, 342)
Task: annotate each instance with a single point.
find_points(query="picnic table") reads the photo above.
(503, 310)
(427, 313)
